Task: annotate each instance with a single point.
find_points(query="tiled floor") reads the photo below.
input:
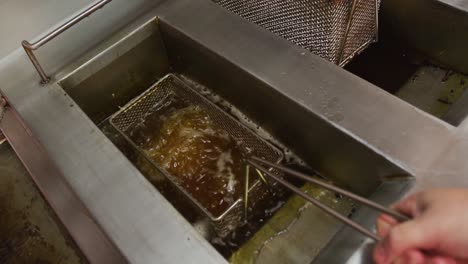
(29, 230)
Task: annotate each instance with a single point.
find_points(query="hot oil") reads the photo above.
(198, 155)
(289, 156)
(203, 159)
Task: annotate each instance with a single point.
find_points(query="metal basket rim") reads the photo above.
(134, 101)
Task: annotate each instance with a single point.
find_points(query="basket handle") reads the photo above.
(29, 48)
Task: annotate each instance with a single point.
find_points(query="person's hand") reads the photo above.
(437, 232)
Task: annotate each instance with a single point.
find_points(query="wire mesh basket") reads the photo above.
(139, 111)
(336, 30)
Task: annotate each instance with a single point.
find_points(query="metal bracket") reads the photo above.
(29, 48)
(346, 33)
(3, 105)
(341, 60)
(377, 18)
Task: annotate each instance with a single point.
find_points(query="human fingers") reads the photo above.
(411, 257)
(441, 260)
(384, 223)
(409, 206)
(401, 238)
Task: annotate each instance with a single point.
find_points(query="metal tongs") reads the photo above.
(257, 163)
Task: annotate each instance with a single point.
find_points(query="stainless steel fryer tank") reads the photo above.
(102, 86)
(329, 117)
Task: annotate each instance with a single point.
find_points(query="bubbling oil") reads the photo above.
(289, 156)
(203, 160)
(199, 156)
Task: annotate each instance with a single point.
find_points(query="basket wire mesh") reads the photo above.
(136, 112)
(335, 30)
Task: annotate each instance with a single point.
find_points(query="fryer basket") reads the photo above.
(335, 30)
(136, 112)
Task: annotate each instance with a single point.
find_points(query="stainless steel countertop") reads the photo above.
(146, 227)
(20, 19)
(142, 224)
